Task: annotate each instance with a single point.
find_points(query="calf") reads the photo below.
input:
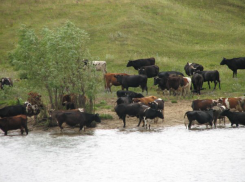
(149, 113)
(149, 71)
(202, 117)
(133, 81)
(14, 123)
(234, 117)
(234, 64)
(137, 64)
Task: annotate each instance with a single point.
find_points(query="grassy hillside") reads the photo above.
(172, 31)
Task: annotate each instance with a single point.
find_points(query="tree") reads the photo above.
(54, 61)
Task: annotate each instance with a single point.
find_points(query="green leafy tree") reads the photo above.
(53, 60)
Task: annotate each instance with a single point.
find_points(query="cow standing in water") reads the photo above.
(14, 123)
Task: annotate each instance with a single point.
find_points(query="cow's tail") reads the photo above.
(185, 114)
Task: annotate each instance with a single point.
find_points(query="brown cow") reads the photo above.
(203, 104)
(14, 123)
(110, 80)
(145, 100)
(233, 103)
(174, 83)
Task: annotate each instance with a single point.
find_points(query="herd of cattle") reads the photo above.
(135, 104)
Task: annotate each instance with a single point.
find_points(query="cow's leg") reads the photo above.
(140, 118)
(26, 129)
(145, 122)
(6, 132)
(208, 84)
(21, 130)
(80, 128)
(124, 121)
(215, 83)
(189, 125)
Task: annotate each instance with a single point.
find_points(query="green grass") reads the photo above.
(106, 116)
(172, 31)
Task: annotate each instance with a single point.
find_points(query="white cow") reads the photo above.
(100, 66)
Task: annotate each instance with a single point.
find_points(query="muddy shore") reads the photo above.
(173, 115)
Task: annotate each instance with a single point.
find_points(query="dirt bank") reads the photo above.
(173, 115)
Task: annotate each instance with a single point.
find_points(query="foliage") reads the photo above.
(54, 61)
(172, 31)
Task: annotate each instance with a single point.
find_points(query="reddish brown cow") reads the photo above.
(203, 104)
(233, 103)
(145, 100)
(14, 123)
(111, 80)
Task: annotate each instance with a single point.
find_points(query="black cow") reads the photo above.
(127, 109)
(6, 81)
(158, 104)
(234, 64)
(234, 117)
(149, 71)
(210, 76)
(164, 74)
(148, 113)
(133, 81)
(201, 117)
(73, 118)
(26, 109)
(122, 93)
(124, 100)
(190, 68)
(141, 62)
(13, 123)
(197, 81)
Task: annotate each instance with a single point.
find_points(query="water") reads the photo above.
(170, 154)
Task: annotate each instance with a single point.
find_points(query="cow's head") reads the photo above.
(156, 80)
(97, 118)
(119, 78)
(35, 109)
(142, 71)
(28, 107)
(223, 62)
(225, 112)
(153, 105)
(130, 63)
